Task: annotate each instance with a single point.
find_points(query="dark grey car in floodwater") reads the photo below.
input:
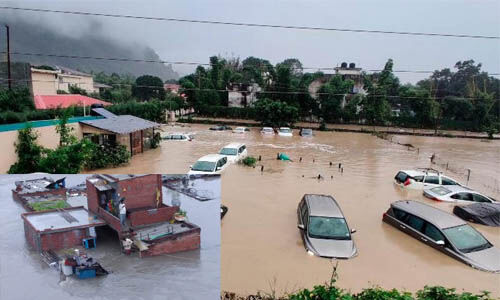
(444, 232)
(323, 227)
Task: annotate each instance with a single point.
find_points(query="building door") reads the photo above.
(136, 142)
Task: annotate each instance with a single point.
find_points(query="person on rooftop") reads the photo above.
(123, 211)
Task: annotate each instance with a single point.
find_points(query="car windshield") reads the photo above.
(466, 238)
(228, 151)
(205, 166)
(441, 191)
(285, 130)
(328, 228)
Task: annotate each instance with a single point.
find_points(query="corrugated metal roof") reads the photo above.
(103, 112)
(121, 124)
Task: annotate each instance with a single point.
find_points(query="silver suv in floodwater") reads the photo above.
(323, 227)
(444, 232)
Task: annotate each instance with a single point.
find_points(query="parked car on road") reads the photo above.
(241, 130)
(323, 227)
(267, 131)
(285, 131)
(422, 178)
(444, 232)
(177, 137)
(306, 132)
(220, 127)
(234, 152)
(456, 193)
(209, 164)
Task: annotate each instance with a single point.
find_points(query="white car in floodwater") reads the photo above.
(267, 131)
(234, 152)
(210, 164)
(456, 193)
(177, 137)
(422, 178)
(241, 130)
(285, 131)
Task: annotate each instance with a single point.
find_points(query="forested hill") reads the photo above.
(27, 37)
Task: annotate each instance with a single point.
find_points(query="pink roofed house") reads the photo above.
(65, 100)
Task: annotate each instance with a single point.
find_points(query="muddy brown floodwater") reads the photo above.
(261, 246)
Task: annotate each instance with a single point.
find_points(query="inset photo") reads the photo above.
(147, 236)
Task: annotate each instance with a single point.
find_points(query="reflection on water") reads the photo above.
(261, 243)
(23, 275)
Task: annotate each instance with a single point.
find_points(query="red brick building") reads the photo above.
(152, 223)
(59, 229)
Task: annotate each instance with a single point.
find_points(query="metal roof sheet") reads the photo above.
(121, 124)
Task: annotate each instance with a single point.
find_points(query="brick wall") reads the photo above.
(62, 240)
(112, 221)
(92, 199)
(31, 236)
(184, 242)
(141, 192)
(143, 217)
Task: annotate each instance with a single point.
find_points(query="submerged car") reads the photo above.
(267, 131)
(444, 232)
(456, 193)
(422, 178)
(209, 164)
(306, 132)
(220, 127)
(234, 152)
(323, 227)
(177, 137)
(241, 130)
(285, 131)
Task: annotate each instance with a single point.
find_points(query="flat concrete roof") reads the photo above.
(63, 219)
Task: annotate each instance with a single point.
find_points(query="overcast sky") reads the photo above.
(196, 42)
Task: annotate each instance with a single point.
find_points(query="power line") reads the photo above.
(122, 59)
(295, 27)
(222, 90)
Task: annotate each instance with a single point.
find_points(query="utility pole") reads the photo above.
(9, 79)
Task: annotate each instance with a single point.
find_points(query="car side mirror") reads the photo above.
(440, 243)
(353, 230)
(301, 226)
(191, 167)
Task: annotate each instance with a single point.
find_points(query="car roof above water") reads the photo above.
(323, 206)
(234, 145)
(436, 216)
(211, 157)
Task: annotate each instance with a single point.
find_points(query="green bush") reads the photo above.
(249, 161)
(103, 156)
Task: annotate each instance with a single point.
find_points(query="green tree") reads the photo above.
(332, 95)
(16, 100)
(376, 108)
(28, 152)
(275, 113)
(148, 87)
(64, 131)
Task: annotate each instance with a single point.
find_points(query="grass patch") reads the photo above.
(48, 205)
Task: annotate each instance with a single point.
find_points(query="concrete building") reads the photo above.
(48, 82)
(172, 88)
(149, 223)
(59, 229)
(242, 95)
(347, 71)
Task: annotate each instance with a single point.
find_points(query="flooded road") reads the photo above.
(23, 275)
(261, 245)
